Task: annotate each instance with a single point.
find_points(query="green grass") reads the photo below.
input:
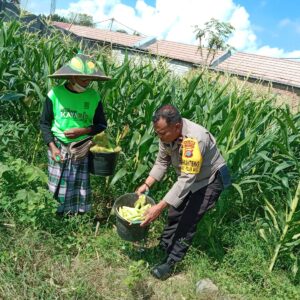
(39, 265)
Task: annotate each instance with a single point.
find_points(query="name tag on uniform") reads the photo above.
(191, 156)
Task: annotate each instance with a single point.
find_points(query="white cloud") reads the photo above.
(240, 19)
(295, 25)
(175, 19)
(243, 37)
(270, 51)
(277, 52)
(285, 22)
(89, 7)
(169, 19)
(293, 54)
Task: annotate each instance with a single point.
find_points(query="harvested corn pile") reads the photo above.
(136, 213)
(103, 144)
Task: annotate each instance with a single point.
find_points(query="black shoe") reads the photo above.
(164, 270)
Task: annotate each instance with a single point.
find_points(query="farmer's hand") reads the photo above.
(153, 212)
(55, 152)
(76, 132)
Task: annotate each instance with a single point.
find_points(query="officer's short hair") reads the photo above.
(168, 112)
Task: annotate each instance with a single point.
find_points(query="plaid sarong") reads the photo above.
(69, 182)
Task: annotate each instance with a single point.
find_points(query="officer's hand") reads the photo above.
(142, 189)
(153, 212)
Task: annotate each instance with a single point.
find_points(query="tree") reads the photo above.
(58, 18)
(215, 34)
(73, 18)
(77, 19)
(81, 19)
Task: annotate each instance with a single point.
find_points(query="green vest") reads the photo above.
(72, 110)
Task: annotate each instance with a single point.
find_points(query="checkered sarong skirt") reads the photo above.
(69, 182)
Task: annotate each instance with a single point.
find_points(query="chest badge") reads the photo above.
(191, 156)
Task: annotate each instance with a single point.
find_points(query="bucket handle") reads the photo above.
(136, 222)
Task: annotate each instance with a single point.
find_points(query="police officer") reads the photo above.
(202, 175)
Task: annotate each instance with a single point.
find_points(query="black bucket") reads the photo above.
(127, 231)
(103, 164)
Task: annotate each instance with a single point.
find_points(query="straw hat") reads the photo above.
(80, 66)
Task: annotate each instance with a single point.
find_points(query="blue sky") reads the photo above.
(276, 23)
(267, 27)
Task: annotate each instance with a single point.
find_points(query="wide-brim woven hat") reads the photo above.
(81, 66)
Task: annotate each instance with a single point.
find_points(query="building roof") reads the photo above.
(172, 50)
(182, 52)
(107, 36)
(276, 70)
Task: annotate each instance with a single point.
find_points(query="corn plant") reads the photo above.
(281, 230)
(259, 141)
(26, 61)
(134, 93)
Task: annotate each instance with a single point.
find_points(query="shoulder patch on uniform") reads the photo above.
(191, 156)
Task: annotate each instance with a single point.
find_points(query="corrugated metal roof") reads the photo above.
(266, 68)
(107, 36)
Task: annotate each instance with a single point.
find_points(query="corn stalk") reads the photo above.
(284, 231)
(259, 142)
(289, 224)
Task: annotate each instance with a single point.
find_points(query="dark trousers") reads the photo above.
(182, 221)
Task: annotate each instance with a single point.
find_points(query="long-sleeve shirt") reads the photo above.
(47, 117)
(169, 154)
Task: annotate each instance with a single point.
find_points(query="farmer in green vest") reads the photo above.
(72, 112)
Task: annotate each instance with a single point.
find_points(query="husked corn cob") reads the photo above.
(135, 213)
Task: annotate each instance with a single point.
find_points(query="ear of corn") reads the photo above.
(136, 213)
(103, 144)
(141, 201)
